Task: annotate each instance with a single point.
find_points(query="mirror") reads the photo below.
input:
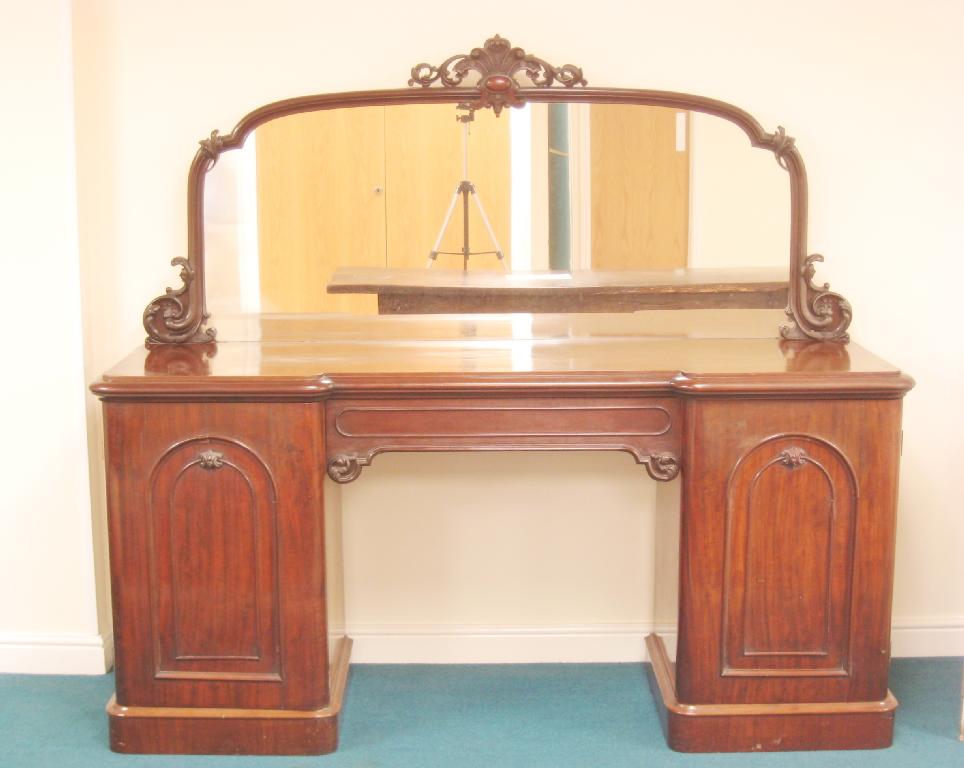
(338, 188)
(339, 199)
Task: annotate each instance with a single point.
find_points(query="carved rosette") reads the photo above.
(662, 466)
(210, 459)
(793, 457)
(344, 468)
(497, 63)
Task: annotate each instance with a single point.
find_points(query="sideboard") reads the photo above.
(226, 564)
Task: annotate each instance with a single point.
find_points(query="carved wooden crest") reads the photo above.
(497, 64)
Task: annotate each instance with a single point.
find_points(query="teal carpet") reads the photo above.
(513, 716)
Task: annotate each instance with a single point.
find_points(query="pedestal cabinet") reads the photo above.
(226, 638)
(785, 576)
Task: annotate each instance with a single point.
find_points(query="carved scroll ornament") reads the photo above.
(345, 468)
(814, 311)
(179, 315)
(662, 466)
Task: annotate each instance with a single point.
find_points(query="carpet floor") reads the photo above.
(530, 715)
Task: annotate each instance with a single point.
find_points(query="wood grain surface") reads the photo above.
(444, 291)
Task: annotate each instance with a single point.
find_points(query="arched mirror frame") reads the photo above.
(814, 311)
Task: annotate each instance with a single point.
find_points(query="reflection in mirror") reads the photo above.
(578, 189)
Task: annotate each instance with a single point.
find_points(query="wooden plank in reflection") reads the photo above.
(430, 291)
(639, 189)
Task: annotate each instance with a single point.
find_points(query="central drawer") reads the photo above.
(359, 429)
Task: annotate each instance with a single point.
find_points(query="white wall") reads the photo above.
(48, 615)
(502, 557)
(865, 89)
(739, 199)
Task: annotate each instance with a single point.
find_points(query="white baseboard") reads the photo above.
(56, 654)
(943, 636)
(78, 654)
(457, 644)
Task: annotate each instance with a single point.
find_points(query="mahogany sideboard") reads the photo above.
(225, 559)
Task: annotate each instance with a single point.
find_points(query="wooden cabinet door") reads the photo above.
(218, 554)
(790, 514)
(214, 560)
(787, 550)
(639, 188)
(321, 206)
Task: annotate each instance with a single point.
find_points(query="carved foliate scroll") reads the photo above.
(662, 466)
(180, 314)
(177, 317)
(344, 468)
(816, 312)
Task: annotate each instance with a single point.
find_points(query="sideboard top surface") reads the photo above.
(310, 356)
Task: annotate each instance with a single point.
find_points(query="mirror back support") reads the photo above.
(505, 76)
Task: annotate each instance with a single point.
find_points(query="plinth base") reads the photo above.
(765, 727)
(214, 731)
